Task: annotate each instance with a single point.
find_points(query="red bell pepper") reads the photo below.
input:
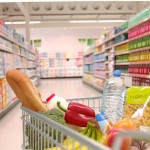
(77, 114)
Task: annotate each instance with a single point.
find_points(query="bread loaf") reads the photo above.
(24, 89)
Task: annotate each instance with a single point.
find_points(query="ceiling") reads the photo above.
(58, 14)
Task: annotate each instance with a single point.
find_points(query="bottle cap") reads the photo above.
(101, 116)
(50, 97)
(117, 73)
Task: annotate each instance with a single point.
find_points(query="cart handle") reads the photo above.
(140, 135)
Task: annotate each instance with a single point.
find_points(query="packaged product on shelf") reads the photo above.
(1, 96)
(137, 106)
(21, 60)
(1, 64)
(11, 94)
(1, 27)
(3, 92)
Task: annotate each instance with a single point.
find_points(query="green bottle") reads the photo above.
(129, 45)
(135, 44)
(145, 41)
(148, 40)
(140, 42)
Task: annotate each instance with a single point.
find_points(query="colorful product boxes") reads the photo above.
(6, 94)
(3, 94)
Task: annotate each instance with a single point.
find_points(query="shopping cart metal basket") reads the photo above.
(42, 133)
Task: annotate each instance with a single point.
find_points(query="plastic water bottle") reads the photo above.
(113, 97)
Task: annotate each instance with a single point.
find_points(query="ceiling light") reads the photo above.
(19, 22)
(8, 23)
(83, 21)
(35, 22)
(6, 1)
(101, 21)
(22, 22)
(95, 21)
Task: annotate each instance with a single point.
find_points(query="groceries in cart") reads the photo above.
(25, 90)
(52, 102)
(116, 114)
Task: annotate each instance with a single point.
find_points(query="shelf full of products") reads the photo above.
(61, 64)
(126, 48)
(97, 64)
(15, 53)
(136, 63)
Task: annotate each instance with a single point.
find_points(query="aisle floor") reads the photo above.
(11, 124)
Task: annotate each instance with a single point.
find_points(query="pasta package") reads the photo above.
(137, 106)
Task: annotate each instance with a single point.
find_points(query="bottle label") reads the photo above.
(102, 125)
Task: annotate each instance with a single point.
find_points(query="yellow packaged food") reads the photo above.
(137, 106)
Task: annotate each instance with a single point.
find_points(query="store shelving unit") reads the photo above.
(123, 54)
(13, 103)
(120, 43)
(136, 70)
(115, 35)
(12, 52)
(139, 36)
(136, 75)
(61, 64)
(96, 59)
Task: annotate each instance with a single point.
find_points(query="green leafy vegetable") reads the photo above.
(38, 132)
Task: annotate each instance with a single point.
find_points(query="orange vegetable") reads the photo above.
(125, 124)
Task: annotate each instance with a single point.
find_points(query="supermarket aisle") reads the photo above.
(67, 88)
(11, 125)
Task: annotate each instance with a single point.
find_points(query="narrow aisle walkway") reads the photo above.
(11, 124)
(67, 88)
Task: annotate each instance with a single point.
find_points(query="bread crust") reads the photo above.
(24, 89)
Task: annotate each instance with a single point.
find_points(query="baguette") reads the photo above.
(24, 89)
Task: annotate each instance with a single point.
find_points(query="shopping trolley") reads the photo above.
(42, 133)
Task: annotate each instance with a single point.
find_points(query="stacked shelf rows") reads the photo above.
(134, 62)
(15, 53)
(98, 64)
(130, 44)
(61, 64)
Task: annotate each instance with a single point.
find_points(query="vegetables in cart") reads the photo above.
(39, 140)
(77, 114)
(54, 114)
(125, 124)
(111, 137)
(121, 125)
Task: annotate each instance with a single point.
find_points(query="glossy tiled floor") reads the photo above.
(11, 125)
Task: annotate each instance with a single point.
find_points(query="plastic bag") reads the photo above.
(137, 106)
